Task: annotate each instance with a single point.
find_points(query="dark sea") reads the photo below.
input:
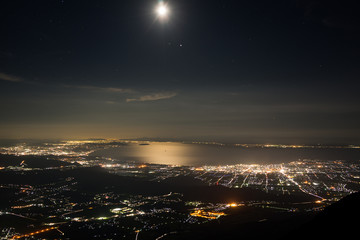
(171, 153)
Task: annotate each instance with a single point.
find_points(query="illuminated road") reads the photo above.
(18, 215)
(34, 233)
(245, 180)
(72, 212)
(266, 182)
(220, 179)
(299, 186)
(137, 234)
(164, 235)
(232, 180)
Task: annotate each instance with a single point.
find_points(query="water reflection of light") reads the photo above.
(198, 155)
(165, 153)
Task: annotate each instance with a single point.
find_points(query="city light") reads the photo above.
(207, 214)
(319, 182)
(33, 233)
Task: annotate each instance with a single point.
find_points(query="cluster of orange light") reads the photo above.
(207, 215)
(234, 205)
(23, 206)
(199, 169)
(34, 233)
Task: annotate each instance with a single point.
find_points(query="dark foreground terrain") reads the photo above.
(340, 219)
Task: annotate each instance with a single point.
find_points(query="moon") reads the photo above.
(162, 10)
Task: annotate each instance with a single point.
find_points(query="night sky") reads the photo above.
(244, 71)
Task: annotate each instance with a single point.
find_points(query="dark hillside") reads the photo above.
(339, 219)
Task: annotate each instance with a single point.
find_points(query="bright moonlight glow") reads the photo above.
(162, 10)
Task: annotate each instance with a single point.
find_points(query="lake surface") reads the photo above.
(199, 155)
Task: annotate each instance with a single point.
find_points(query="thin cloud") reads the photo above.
(132, 94)
(118, 90)
(152, 97)
(104, 89)
(10, 78)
